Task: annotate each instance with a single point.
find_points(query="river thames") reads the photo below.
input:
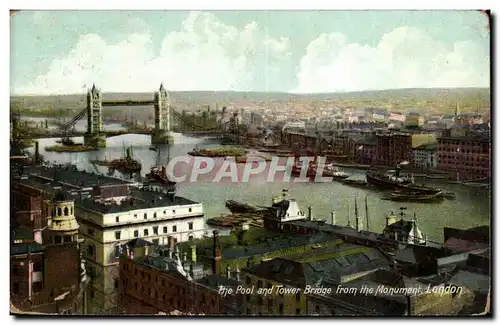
(471, 207)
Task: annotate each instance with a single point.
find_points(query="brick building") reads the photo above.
(468, 157)
(29, 209)
(393, 148)
(47, 278)
(161, 282)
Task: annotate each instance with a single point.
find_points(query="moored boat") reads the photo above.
(238, 207)
(354, 182)
(414, 197)
(334, 172)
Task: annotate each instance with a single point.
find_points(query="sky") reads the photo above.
(65, 52)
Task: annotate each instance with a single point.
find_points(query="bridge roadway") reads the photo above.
(109, 134)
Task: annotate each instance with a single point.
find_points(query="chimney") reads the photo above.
(333, 217)
(191, 270)
(193, 253)
(309, 213)
(171, 243)
(228, 272)
(237, 273)
(217, 254)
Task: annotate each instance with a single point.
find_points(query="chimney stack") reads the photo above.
(193, 253)
(228, 272)
(217, 253)
(171, 243)
(237, 273)
(333, 217)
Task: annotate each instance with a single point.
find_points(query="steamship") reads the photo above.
(394, 180)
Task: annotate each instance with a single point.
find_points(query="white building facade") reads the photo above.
(105, 232)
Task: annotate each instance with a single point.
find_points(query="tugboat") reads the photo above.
(393, 180)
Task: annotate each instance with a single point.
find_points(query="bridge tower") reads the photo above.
(94, 137)
(162, 133)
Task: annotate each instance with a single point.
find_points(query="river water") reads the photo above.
(471, 207)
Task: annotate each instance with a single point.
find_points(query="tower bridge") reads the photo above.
(161, 133)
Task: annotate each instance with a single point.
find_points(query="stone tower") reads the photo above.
(162, 133)
(93, 136)
(63, 227)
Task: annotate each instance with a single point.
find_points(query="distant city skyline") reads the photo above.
(65, 52)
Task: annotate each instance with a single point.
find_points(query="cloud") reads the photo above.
(403, 58)
(205, 54)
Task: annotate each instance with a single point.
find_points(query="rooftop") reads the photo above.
(22, 249)
(139, 199)
(80, 191)
(327, 265)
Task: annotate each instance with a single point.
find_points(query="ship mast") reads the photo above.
(366, 213)
(348, 216)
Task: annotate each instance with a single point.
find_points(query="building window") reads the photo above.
(117, 219)
(173, 211)
(135, 216)
(155, 230)
(146, 232)
(174, 228)
(190, 238)
(67, 239)
(90, 250)
(317, 309)
(165, 230)
(190, 210)
(116, 283)
(90, 231)
(57, 239)
(37, 267)
(164, 211)
(190, 226)
(281, 309)
(136, 233)
(92, 294)
(37, 287)
(154, 215)
(117, 235)
(145, 215)
(297, 311)
(156, 241)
